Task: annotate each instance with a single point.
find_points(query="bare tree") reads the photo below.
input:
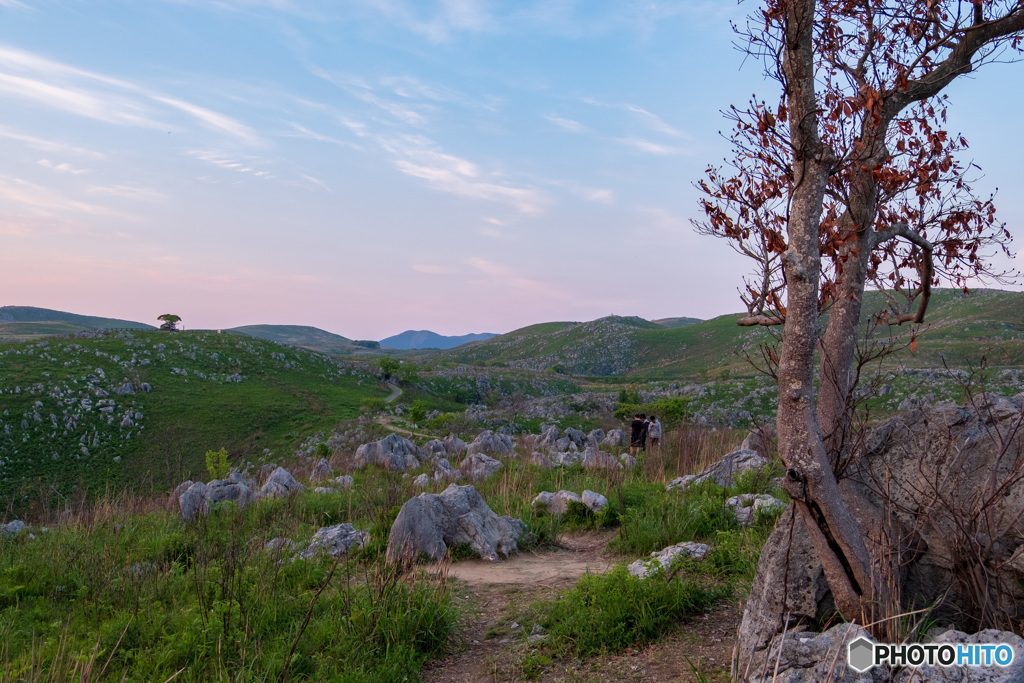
(850, 180)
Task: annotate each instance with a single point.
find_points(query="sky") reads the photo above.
(372, 166)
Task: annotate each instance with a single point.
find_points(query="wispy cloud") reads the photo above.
(140, 194)
(649, 147)
(510, 277)
(63, 167)
(212, 119)
(47, 145)
(567, 124)
(42, 201)
(230, 163)
(54, 85)
(655, 122)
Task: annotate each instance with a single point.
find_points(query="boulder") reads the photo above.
(444, 470)
(576, 436)
(723, 471)
(597, 435)
(1014, 673)
(435, 447)
(12, 529)
(323, 490)
(264, 472)
(615, 438)
(804, 657)
(547, 439)
(193, 501)
(663, 559)
(556, 503)
(432, 523)
(335, 540)
(321, 471)
(745, 507)
(393, 452)
(566, 459)
(280, 544)
(455, 446)
(238, 478)
(489, 443)
(600, 459)
(540, 460)
(345, 481)
(180, 489)
(478, 466)
(761, 440)
(225, 490)
(421, 480)
(595, 502)
(627, 460)
(280, 484)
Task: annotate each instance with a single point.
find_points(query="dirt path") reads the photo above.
(396, 391)
(496, 597)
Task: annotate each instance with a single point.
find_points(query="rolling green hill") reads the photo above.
(312, 338)
(144, 406)
(29, 322)
(960, 328)
(676, 322)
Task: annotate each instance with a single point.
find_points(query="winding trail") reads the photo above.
(396, 391)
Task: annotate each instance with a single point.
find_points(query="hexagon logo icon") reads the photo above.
(861, 654)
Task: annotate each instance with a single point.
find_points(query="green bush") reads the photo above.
(418, 412)
(217, 463)
(670, 411)
(665, 518)
(372, 405)
(613, 611)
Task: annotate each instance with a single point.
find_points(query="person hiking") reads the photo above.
(643, 435)
(654, 432)
(637, 433)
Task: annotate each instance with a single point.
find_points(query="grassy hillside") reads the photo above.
(28, 322)
(146, 406)
(676, 322)
(312, 338)
(961, 328)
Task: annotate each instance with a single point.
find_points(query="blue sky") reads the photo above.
(371, 166)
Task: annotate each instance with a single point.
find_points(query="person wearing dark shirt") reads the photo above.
(638, 433)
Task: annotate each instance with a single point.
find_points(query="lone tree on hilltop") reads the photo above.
(170, 322)
(850, 179)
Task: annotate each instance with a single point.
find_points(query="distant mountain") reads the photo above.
(26, 322)
(425, 339)
(672, 323)
(307, 337)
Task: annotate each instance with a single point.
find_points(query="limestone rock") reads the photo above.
(556, 503)
(12, 529)
(280, 544)
(663, 559)
(224, 490)
(344, 481)
(435, 447)
(180, 489)
(627, 460)
(455, 446)
(324, 490)
(432, 523)
(193, 501)
(595, 502)
(540, 460)
(600, 459)
(746, 506)
(393, 452)
(616, 438)
(596, 435)
(478, 466)
(321, 471)
(444, 470)
(335, 540)
(547, 439)
(803, 657)
(723, 471)
(280, 484)
(576, 436)
(421, 481)
(489, 443)
(961, 674)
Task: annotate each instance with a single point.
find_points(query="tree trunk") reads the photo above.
(810, 479)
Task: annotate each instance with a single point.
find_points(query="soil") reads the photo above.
(491, 645)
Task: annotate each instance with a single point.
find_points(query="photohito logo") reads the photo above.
(864, 654)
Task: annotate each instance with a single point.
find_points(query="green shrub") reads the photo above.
(418, 412)
(372, 405)
(217, 463)
(665, 518)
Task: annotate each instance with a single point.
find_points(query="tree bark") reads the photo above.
(810, 479)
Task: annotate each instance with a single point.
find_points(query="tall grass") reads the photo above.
(113, 594)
